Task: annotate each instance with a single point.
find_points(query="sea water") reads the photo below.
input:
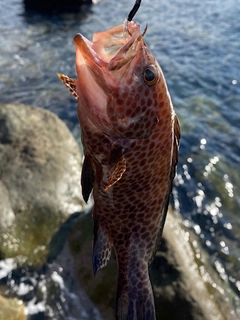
(197, 44)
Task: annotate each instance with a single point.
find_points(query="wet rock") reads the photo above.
(55, 6)
(182, 282)
(51, 292)
(76, 304)
(40, 200)
(186, 287)
(40, 166)
(11, 309)
(100, 289)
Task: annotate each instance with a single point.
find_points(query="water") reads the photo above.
(197, 44)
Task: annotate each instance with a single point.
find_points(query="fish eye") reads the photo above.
(149, 77)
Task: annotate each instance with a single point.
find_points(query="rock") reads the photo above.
(40, 165)
(181, 285)
(51, 292)
(185, 285)
(6, 213)
(54, 6)
(11, 309)
(40, 199)
(77, 304)
(102, 288)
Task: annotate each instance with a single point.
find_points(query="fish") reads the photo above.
(130, 135)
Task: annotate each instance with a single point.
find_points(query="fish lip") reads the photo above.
(85, 46)
(93, 61)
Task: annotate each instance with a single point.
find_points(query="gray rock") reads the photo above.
(182, 278)
(6, 213)
(11, 309)
(40, 165)
(77, 304)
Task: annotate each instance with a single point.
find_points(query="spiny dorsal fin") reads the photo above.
(70, 84)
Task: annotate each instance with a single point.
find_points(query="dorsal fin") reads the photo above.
(70, 84)
(176, 141)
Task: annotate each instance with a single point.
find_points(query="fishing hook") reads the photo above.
(132, 14)
(145, 30)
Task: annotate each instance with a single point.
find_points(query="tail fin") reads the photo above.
(135, 297)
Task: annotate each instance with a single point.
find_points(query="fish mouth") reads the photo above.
(110, 50)
(102, 64)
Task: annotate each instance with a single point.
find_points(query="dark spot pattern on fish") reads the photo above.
(130, 135)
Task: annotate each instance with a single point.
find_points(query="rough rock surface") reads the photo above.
(6, 213)
(40, 166)
(77, 304)
(11, 309)
(182, 282)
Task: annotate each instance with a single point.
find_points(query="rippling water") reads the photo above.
(197, 43)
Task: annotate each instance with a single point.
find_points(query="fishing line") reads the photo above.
(132, 14)
(134, 10)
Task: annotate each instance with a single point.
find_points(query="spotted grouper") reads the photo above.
(130, 135)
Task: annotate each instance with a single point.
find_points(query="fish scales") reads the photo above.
(130, 135)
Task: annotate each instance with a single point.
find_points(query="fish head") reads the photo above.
(118, 82)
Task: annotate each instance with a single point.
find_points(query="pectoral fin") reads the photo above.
(117, 165)
(87, 178)
(116, 172)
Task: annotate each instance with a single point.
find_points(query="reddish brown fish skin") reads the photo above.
(130, 165)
